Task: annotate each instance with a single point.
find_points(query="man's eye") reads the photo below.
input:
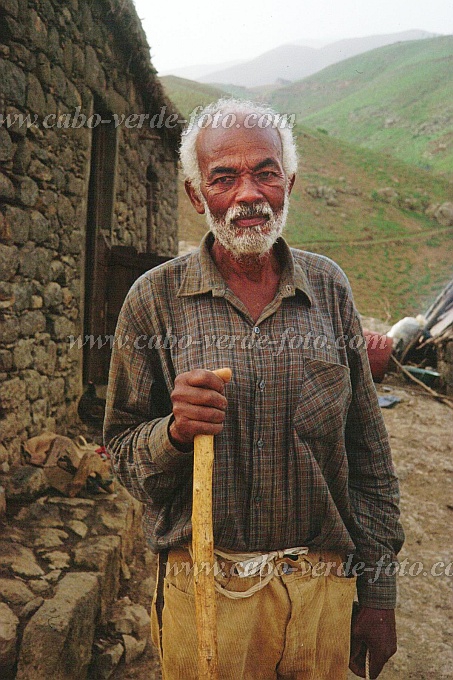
(224, 180)
(266, 174)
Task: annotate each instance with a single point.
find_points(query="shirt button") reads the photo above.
(256, 330)
(260, 443)
(289, 288)
(258, 499)
(262, 384)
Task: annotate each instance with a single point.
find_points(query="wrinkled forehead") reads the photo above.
(235, 137)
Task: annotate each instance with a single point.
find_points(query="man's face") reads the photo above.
(244, 189)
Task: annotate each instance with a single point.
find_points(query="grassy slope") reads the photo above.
(188, 94)
(396, 99)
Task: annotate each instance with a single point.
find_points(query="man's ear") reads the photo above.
(291, 181)
(194, 196)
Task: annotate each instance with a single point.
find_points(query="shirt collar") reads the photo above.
(202, 275)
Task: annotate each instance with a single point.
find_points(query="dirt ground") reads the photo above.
(421, 432)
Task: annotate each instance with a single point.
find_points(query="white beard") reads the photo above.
(243, 242)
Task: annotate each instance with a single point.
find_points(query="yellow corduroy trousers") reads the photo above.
(295, 628)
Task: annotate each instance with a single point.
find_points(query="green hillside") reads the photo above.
(395, 256)
(188, 94)
(397, 99)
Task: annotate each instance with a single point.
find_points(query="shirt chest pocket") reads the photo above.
(323, 400)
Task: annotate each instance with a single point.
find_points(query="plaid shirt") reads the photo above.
(303, 459)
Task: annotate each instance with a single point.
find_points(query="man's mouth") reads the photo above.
(255, 221)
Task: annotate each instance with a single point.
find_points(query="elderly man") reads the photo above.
(305, 496)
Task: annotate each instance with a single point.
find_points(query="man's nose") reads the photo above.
(247, 190)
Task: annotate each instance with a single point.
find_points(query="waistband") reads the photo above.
(260, 568)
(184, 553)
(254, 563)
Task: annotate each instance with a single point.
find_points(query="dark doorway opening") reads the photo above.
(110, 271)
(101, 195)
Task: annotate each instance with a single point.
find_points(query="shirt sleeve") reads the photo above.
(373, 485)
(138, 412)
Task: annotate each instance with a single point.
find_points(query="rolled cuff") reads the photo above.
(163, 453)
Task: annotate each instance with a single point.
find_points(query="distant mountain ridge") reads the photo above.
(293, 61)
(197, 71)
(397, 99)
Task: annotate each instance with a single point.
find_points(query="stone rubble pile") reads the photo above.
(62, 563)
(442, 213)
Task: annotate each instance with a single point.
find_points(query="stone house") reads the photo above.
(88, 198)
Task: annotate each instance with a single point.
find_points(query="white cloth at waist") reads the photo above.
(252, 564)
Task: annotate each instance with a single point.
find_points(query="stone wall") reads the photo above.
(59, 57)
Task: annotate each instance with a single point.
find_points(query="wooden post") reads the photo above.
(203, 552)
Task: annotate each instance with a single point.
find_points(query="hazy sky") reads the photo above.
(183, 33)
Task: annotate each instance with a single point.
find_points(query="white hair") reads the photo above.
(263, 116)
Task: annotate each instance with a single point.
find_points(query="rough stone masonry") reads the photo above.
(62, 564)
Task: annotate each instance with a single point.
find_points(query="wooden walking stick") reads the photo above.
(203, 551)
